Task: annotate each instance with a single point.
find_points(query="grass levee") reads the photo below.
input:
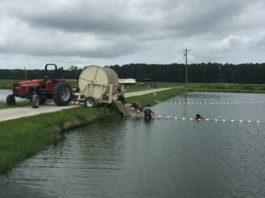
(227, 87)
(7, 84)
(153, 99)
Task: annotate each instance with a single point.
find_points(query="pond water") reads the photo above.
(161, 158)
(4, 93)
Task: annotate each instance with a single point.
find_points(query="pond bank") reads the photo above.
(24, 137)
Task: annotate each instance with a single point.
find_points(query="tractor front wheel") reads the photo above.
(10, 100)
(35, 101)
(62, 94)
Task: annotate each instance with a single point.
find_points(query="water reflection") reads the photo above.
(161, 158)
(4, 93)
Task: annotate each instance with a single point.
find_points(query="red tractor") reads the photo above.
(38, 91)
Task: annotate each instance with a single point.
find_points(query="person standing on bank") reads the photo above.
(121, 97)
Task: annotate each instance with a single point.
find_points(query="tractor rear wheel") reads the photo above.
(62, 94)
(90, 102)
(35, 101)
(10, 100)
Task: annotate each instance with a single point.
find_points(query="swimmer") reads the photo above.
(198, 117)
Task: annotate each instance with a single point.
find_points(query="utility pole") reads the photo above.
(25, 71)
(186, 64)
(220, 73)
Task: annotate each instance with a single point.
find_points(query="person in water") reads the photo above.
(199, 117)
(148, 113)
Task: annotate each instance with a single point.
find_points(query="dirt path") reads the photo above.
(19, 112)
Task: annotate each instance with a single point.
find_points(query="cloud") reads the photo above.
(19, 38)
(118, 31)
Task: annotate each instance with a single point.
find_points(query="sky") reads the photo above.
(110, 32)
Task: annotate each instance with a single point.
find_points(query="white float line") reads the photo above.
(206, 119)
(215, 103)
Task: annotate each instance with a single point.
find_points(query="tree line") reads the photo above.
(22, 74)
(197, 73)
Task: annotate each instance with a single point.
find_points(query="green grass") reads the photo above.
(18, 104)
(7, 84)
(153, 99)
(72, 83)
(218, 87)
(226, 87)
(22, 138)
(150, 85)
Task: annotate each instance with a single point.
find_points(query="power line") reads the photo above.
(186, 64)
(75, 14)
(89, 5)
(85, 16)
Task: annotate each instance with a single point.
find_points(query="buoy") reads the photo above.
(159, 116)
(168, 117)
(207, 119)
(223, 120)
(232, 120)
(191, 118)
(176, 118)
(215, 120)
(183, 118)
(240, 120)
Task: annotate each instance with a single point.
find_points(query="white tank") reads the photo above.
(94, 81)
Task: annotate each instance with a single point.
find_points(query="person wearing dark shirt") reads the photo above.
(148, 113)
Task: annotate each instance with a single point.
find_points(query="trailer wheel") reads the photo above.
(62, 94)
(10, 100)
(35, 101)
(90, 102)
